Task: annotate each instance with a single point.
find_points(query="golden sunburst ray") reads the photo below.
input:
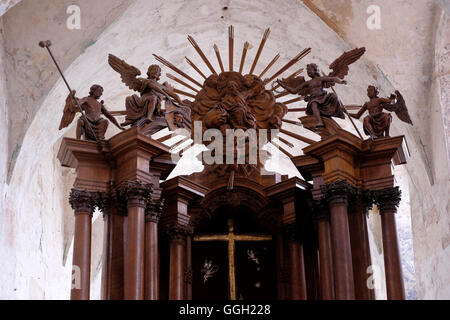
(171, 77)
(171, 66)
(230, 47)
(219, 58)
(260, 48)
(293, 61)
(201, 54)
(269, 65)
(195, 67)
(244, 54)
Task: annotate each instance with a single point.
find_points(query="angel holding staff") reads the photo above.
(93, 126)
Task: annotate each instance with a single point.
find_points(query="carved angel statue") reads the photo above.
(141, 109)
(377, 123)
(93, 110)
(320, 102)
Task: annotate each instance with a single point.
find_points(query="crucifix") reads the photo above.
(231, 238)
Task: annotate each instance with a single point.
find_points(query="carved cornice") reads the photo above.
(338, 193)
(136, 193)
(154, 210)
(83, 201)
(387, 199)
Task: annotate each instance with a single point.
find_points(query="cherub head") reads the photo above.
(96, 91)
(211, 81)
(372, 92)
(154, 72)
(249, 80)
(313, 70)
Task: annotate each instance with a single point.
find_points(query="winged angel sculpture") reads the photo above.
(377, 123)
(141, 110)
(320, 102)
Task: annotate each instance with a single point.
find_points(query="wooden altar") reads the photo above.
(317, 228)
(234, 231)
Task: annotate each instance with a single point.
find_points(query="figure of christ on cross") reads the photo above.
(231, 238)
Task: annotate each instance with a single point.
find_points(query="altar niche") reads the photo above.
(233, 257)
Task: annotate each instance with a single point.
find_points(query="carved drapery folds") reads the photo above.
(83, 201)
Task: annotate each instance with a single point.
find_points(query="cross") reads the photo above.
(231, 238)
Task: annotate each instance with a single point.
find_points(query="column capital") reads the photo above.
(320, 209)
(338, 192)
(292, 232)
(178, 233)
(387, 199)
(136, 193)
(108, 201)
(154, 210)
(83, 201)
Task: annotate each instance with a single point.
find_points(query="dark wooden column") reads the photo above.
(177, 270)
(178, 193)
(321, 215)
(359, 239)
(153, 214)
(137, 195)
(188, 272)
(336, 193)
(83, 203)
(281, 266)
(289, 193)
(296, 266)
(387, 200)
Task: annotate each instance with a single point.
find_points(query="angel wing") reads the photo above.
(294, 82)
(340, 65)
(399, 108)
(128, 73)
(70, 109)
